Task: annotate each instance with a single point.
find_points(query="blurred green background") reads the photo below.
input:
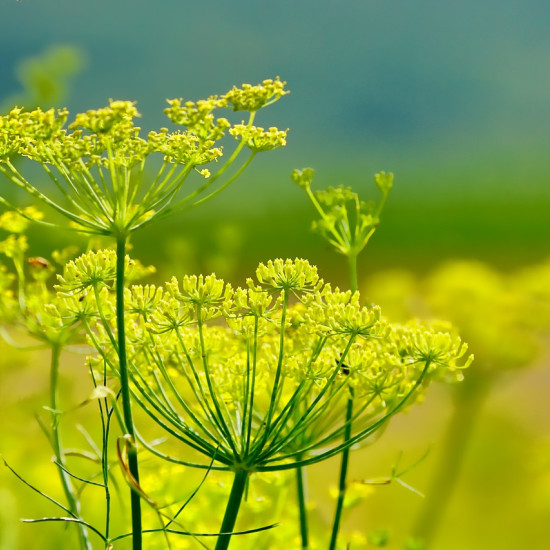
(450, 96)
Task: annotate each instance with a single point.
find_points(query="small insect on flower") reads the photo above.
(344, 369)
(38, 261)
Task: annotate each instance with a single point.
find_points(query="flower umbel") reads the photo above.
(260, 383)
(98, 163)
(346, 222)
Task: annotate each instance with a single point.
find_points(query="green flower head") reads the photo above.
(253, 98)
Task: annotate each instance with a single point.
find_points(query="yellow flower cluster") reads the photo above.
(98, 269)
(253, 98)
(98, 161)
(257, 139)
(261, 376)
(18, 223)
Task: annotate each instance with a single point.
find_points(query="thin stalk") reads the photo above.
(262, 437)
(101, 190)
(311, 409)
(275, 393)
(337, 237)
(18, 264)
(232, 509)
(342, 483)
(352, 264)
(87, 198)
(62, 189)
(218, 417)
(105, 471)
(22, 213)
(156, 188)
(20, 181)
(469, 400)
(68, 489)
(227, 183)
(222, 170)
(248, 428)
(106, 188)
(344, 465)
(200, 425)
(301, 473)
(267, 463)
(103, 318)
(172, 207)
(135, 499)
(105, 412)
(301, 484)
(356, 438)
(381, 204)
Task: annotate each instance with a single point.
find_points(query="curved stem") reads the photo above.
(232, 509)
(135, 499)
(68, 489)
(338, 242)
(222, 170)
(278, 464)
(226, 184)
(106, 413)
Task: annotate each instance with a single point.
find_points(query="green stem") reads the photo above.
(342, 484)
(344, 465)
(135, 499)
(330, 224)
(469, 400)
(227, 183)
(105, 472)
(68, 488)
(232, 509)
(301, 483)
(352, 263)
(105, 413)
(19, 262)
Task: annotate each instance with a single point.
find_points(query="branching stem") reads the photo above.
(135, 498)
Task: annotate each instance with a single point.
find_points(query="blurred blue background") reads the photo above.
(450, 96)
